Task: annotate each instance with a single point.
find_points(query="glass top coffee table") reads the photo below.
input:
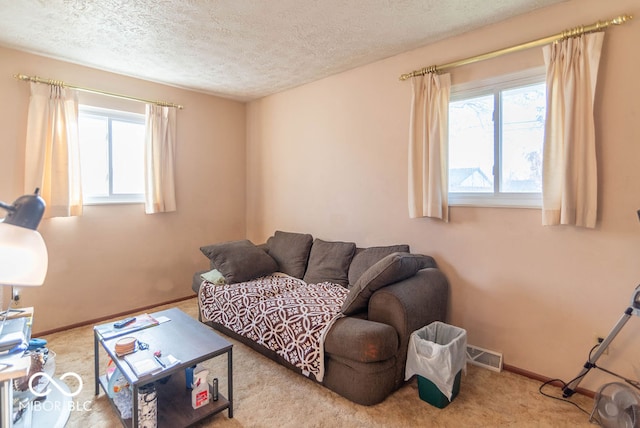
(186, 339)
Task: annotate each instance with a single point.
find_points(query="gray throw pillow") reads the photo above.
(290, 251)
(367, 257)
(329, 261)
(239, 261)
(393, 268)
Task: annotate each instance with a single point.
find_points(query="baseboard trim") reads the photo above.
(118, 315)
(542, 379)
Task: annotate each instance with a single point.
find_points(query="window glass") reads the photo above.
(471, 145)
(94, 155)
(523, 113)
(496, 135)
(111, 155)
(128, 156)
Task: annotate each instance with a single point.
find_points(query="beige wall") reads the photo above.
(330, 158)
(117, 258)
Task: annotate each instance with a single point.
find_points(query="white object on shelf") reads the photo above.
(200, 393)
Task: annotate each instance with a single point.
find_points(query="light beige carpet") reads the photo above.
(268, 395)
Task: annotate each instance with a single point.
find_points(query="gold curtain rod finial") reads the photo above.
(26, 78)
(621, 19)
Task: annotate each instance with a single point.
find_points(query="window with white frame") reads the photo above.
(496, 135)
(111, 155)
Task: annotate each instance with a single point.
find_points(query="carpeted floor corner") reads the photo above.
(269, 395)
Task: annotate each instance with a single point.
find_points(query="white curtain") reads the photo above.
(569, 183)
(428, 135)
(52, 156)
(160, 149)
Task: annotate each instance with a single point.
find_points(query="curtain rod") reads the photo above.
(574, 32)
(52, 82)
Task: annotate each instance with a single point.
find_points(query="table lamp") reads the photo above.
(23, 254)
(23, 262)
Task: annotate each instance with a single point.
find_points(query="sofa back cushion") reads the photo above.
(392, 268)
(239, 261)
(329, 261)
(367, 257)
(290, 251)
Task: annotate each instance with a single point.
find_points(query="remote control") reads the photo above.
(124, 322)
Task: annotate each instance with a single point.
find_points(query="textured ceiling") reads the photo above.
(241, 49)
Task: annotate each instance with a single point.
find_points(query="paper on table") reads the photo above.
(168, 361)
(143, 363)
(108, 331)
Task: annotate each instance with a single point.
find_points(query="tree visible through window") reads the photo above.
(111, 155)
(496, 136)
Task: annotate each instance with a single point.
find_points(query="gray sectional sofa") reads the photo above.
(392, 293)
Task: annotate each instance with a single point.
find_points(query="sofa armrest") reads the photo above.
(413, 303)
(361, 340)
(196, 281)
(409, 305)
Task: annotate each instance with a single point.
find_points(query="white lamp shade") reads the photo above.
(23, 256)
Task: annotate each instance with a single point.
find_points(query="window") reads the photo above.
(111, 155)
(496, 134)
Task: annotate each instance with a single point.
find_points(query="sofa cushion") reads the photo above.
(263, 247)
(329, 261)
(290, 251)
(239, 261)
(392, 268)
(367, 257)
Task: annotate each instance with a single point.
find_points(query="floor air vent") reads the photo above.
(484, 358)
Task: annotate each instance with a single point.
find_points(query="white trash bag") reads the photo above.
(437, 352)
